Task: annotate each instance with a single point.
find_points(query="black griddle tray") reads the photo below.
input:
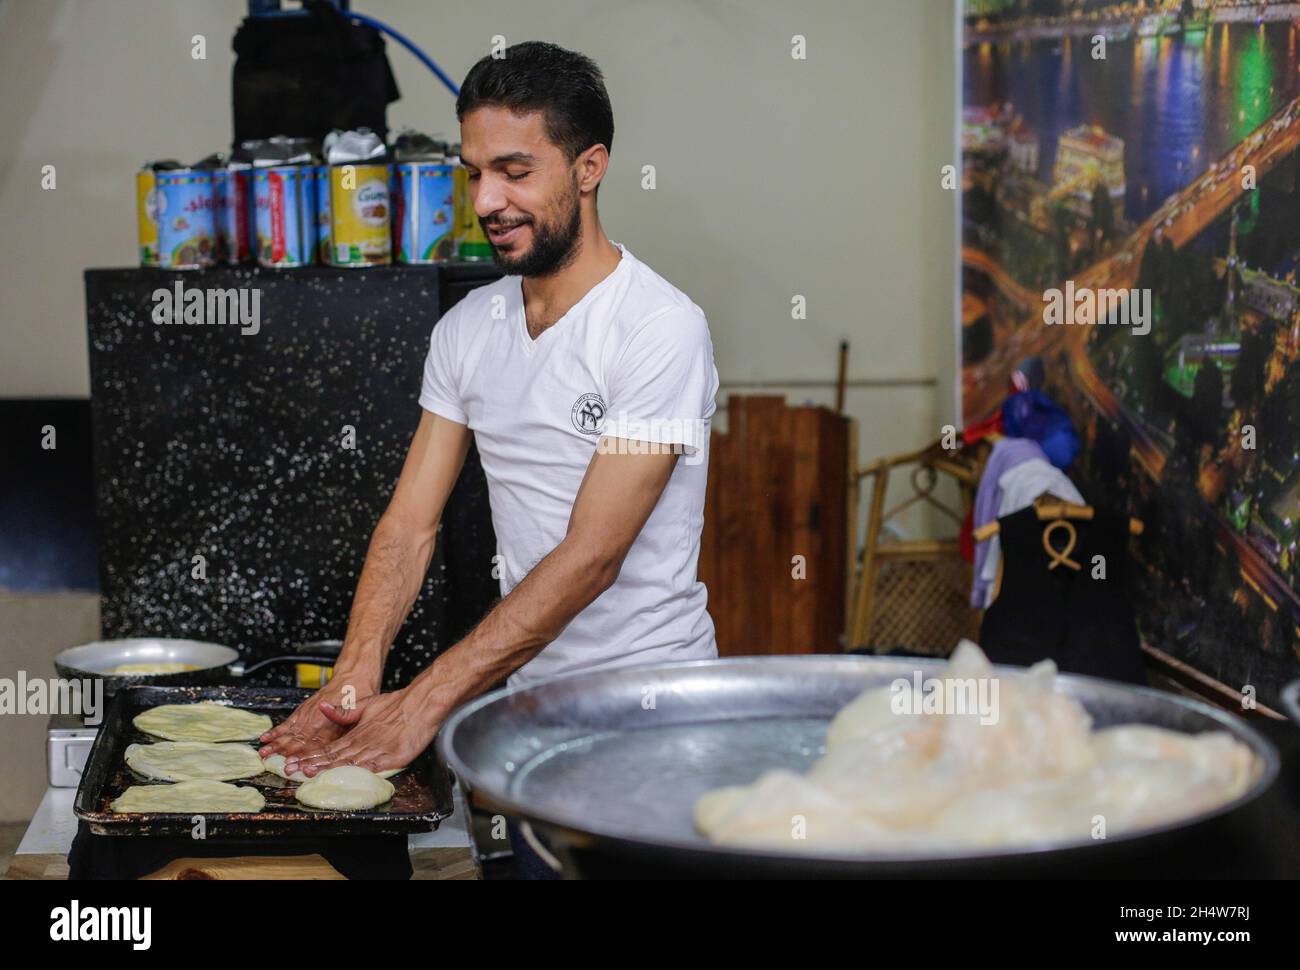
(421, 800)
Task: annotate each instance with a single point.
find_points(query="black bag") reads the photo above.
(303, 75)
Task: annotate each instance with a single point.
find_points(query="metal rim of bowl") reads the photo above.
(1291, 700)
(1261, 747)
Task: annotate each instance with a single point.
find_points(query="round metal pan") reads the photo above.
(214, 663)
(607, 765)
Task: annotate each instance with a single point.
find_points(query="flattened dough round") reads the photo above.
(347, 788)
(275, 765)
(204, 721)
(190, 796)
(193, 760)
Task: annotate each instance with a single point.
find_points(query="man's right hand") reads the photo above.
(307, 730)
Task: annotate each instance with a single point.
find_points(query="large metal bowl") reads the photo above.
(607, 765)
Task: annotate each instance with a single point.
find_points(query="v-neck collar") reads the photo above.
(521, 324)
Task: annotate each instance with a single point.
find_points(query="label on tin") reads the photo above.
(426, 212)
(360, 215)
(277, 217)
(230, 192)
(321, 179)
(146, 211)
(186, 229)
(285, 201)
(471, 242)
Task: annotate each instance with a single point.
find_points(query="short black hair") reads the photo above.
(567, 87)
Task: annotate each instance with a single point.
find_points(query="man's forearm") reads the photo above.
(394, 571)
(517, 629)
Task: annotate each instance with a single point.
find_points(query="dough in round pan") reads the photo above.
(192, 760)
(347, 788)
(204, 721)
(154, 667)
(190, 796)
(275, 765)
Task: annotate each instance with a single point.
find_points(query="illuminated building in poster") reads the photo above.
(1086, 155)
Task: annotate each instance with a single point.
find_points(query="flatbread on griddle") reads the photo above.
(204, 721)
(193, 760)
(190, 797)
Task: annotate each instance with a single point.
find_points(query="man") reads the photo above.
(588, 383)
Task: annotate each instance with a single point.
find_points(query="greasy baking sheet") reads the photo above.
(421, 800)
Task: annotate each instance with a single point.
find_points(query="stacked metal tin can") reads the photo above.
(287, 202)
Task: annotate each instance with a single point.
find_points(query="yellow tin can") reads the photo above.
(146, 213)
(314, 676)
(360, 206)
(471, 242)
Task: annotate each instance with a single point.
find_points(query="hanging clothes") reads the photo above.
(1016, 473)
(1078, 617)
(1032, 414)
(982, 429)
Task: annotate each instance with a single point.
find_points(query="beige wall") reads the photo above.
(33, 628)
(775, 176)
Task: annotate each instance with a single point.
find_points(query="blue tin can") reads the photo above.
(321, 176)
(230, 199)
(187, 236)
(285, 199)
(424, 229)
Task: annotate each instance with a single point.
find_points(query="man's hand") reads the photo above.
(311, 727)
(391, 730)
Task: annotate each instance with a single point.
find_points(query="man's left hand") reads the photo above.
(388, 733)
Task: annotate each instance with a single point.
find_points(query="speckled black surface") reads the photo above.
(209, 442)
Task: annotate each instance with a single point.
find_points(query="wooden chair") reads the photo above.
(913, 596)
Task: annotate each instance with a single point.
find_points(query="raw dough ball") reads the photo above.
(192, 760)
(204, 721)
(347, 788)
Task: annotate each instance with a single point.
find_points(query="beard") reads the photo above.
(555, 243)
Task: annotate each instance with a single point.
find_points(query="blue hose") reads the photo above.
(424, 58)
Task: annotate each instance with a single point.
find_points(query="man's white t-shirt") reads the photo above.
(632, 359)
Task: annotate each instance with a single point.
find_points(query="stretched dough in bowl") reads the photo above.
(973, 759)
(193, 760)
(204, 721)
(275, 765)
(347, 788)
(190, 796)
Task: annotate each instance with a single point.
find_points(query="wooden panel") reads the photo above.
(778, 488)
(834, 454)
(805, 483)
(762, 510)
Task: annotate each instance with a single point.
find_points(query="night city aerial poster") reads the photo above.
(1131, 216)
